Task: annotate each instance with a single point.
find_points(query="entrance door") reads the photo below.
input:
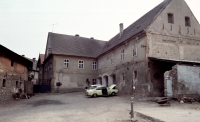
(169, 87)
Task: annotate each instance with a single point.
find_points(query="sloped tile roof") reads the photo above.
(75, 45)
(85, 47)
(137, 27)
(15, 57)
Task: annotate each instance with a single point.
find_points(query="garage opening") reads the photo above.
(157, 70)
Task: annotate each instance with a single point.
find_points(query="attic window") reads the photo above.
(170, 18)
(187, 21)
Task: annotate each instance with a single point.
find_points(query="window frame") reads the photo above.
(170, 18)
(94, 81)
(12, 63)
(66, 63)
(135, 74)
(94, 65)
(187, 21)
(112, 59)
(4, 83)
(134, 49)
(81, 63)
(123, 76)
(122, 54)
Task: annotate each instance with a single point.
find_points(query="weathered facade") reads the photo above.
(138, 54)
(34, 72)
(183, 81)
(175, 35)
(40, 68)
(14, 70)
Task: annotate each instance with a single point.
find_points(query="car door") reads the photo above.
(112, 88)
(99, 91)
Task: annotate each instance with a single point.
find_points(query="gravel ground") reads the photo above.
(70, 107)
(176, 112)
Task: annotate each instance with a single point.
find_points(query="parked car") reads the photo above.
(102, 90)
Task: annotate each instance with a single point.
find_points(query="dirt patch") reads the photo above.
(45, 102)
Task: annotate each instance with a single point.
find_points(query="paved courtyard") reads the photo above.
(71, 107)
(76, 107)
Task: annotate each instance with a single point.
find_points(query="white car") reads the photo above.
(101, 90)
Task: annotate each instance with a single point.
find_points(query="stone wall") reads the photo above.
(185, 81)
(11, 74)
(173, 75)
(6, 92)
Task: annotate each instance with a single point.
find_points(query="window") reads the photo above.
(4, 83)
(66, 63)
(134, 49)
(135, 74)
(16, 84)
(94, 65)
(12, 63)
(122, 54)
(123, 76)
(98, 88)
(187, 21)
(112, 59)
(170, 18)
(80, 64)
(94, 81)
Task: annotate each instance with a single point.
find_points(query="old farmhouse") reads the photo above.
(167, 35)
(14, 72)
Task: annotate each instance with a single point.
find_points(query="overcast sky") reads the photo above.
(24, 24)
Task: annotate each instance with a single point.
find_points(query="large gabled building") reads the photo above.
(135, 55)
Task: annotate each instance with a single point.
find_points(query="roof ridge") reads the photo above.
(76, 36)
(136, 27)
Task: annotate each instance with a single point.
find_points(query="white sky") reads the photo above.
(24, 24)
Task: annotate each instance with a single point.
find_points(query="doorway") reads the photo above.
(157, 70)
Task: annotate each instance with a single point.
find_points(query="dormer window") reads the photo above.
(170, 18)
(187, 21)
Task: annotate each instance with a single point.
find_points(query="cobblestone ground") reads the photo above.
(70, 107)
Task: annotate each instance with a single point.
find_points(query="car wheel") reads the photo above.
(113, 93)
(94, 95)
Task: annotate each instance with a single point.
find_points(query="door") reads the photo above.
(169, 86)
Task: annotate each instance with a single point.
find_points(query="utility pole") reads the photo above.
(132, 98)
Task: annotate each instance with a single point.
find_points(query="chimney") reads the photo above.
(34, 60)
(76, 35)
(92, 38)
(121, 29)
